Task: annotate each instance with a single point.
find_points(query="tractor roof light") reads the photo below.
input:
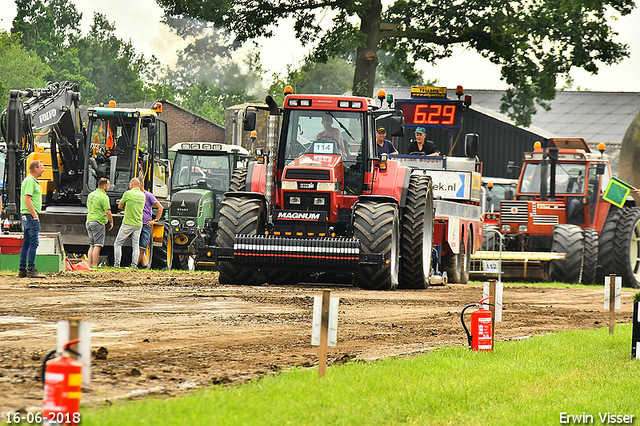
(537, 145)
(254, 134)
(112, 104)
(382, 95)
(288, 90)
(459, 91)
(157, 107)
(601, 147)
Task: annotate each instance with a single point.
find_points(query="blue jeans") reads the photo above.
(30, 242)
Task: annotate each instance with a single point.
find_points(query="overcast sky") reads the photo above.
(140, 21)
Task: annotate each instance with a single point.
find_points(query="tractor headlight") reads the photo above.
(175, 222)
(289, 185)
(190, 223)
(294, 200)
(506, 228)
(319, 201)
(523, 228)
(328, 186)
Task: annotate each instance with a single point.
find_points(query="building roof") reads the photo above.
(594, 116)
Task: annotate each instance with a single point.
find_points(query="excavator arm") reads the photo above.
(55, 107)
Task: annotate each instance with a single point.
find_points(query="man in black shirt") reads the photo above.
(421, 145)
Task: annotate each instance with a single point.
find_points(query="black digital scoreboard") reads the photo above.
(431, 113)
(429, 108)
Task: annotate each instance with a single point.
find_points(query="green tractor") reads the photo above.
(202, 173)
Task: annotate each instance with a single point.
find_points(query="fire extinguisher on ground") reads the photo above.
(62, 380)
(480, 338)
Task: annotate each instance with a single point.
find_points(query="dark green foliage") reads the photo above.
(535, 43)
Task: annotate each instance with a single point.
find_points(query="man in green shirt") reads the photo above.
(132, 202)
(30, 205)
(98, 214)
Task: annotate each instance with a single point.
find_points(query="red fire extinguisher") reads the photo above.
(62, 380)
(480, 337)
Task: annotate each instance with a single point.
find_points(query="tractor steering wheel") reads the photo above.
(417, 153)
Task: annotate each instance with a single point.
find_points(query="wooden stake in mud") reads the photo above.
(492, 308)
(324, 332)
(74, 324)
(612, 303)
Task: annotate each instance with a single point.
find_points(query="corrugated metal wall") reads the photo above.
(499, 142)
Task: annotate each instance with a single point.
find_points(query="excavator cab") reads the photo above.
(124, 143)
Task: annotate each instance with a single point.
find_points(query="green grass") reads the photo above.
(527, 382)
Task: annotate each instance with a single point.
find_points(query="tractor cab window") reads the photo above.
(192, 169)
(570, 178)
(328, 133)
(324, 132)
(110, 152)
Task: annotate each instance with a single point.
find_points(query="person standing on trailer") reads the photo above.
(147, 223)
(30, 205)
(98, 214)
(132, 202)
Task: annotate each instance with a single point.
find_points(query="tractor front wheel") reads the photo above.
(377, 226)
(568, 239)
(239, 215)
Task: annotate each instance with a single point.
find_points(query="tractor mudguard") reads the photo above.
(246, 194)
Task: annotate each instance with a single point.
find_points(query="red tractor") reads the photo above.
(321, 199)
(559, 207)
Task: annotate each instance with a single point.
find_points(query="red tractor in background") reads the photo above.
(559, 208)
(321, 199)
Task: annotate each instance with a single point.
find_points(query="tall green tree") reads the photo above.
(104, 66)
(113, 65)
(208, 78)
(534, 42)
(19, 68)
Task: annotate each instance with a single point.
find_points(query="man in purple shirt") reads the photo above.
(147, 222)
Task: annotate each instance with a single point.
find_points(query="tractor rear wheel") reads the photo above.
(377, 226)
(238, 180)
(626, 247)
(590, 256)
(162, 256)
(417, 233)
(239, 215)
(568, 239)
(605, 244)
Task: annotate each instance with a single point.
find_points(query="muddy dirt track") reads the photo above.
(168, 332)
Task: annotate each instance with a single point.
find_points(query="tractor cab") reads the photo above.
(560, 184)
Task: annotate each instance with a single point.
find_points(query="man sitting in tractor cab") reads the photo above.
(331, 134)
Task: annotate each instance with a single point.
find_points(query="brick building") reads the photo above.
(185, 126)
